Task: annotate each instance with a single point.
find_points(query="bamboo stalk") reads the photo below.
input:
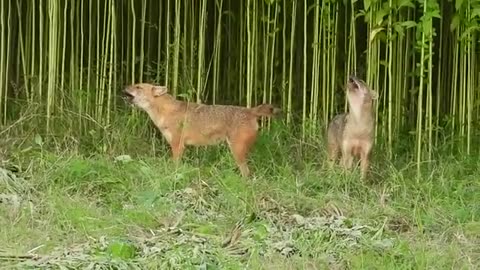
(40, 71)
(159, 43)
(176, 50)
(266, 54)
(133, 56)
(201, 53)
(104, 64)
(284, 55)
(305, 56)
(73, 64)
(290, 73)
(52, 57)
(73, 55)
(251, 50)
(22, 50)
(3, 70)
(84, 103)
(217, 51)
(314, 96)
(241, 68)
(390, 80)
(272, 52)
(142, 40)
(113, 41)
(333, 52)
(64, 51)
(429, 120)
(419, 132)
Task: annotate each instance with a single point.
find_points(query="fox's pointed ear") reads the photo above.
(159, 90)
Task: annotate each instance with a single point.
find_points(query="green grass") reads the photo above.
(74, 208)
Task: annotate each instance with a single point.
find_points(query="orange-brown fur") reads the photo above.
(352, 134)
(186, 123)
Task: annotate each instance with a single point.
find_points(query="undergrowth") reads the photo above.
(112, 198)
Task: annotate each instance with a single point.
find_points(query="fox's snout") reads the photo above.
(127, 95)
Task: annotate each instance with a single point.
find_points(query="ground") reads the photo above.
(124, 210)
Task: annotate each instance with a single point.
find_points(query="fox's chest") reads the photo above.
(164, 127)
(358, 129)
(360, 133)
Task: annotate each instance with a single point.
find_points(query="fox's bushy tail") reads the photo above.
(265, 110)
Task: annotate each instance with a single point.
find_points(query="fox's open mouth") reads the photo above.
(353, 83)
(127, 96)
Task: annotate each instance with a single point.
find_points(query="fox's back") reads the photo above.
(336, 128)
(209, 124)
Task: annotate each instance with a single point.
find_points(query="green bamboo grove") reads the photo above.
(420, 56)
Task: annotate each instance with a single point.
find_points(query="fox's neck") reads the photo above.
(361, 114)
(162, 105)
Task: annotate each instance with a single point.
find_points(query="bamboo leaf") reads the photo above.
(311, 7)
(366, 4)
(38, 140)
(406, 3)
(374, 33)
(408, 24)
(436, 14)
(380, 14)
(455, 22)
(360, 13)
(458, 4)
(469, 31)
(399, 29)
(475, 13)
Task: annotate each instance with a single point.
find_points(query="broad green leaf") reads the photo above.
(374, 33)
(436, 14)
(455, 22)
(382, 36)
(269, 2)
(366, 4)
(408, 24)
(427, 29)
(476, 13)
(399, 29)
(406, 3)
(122, 250)
(260, 232)
(311, 7)
(469, 31)
(360, 13)
(379, 16)
(38, 140)
(458, 4)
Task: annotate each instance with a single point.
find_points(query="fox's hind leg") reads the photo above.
(240, 144)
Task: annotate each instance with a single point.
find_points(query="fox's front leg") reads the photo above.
(364, 160)
(347, 157)
(177, 146)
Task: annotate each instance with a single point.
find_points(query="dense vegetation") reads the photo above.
(73, 57)
(63, 64)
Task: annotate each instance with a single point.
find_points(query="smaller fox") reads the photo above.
(185, 123)
(352, 133)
